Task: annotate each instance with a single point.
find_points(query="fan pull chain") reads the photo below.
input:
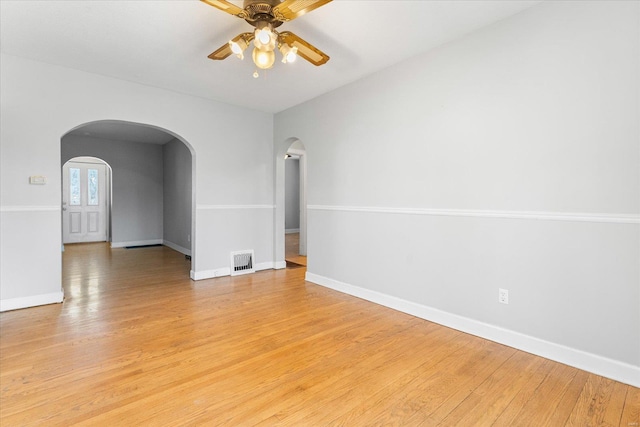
(256, 74)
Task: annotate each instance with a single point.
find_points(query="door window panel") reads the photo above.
(74, 187)
(92, 177)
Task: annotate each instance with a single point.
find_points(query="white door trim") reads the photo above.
(303, 197)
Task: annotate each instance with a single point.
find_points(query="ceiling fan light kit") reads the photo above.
(266, 16)
(238, 47)
(264, 59)
(289, 54)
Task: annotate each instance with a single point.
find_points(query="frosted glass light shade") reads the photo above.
(289, 54)
(238, 47)
(263, 59)
(265, 39)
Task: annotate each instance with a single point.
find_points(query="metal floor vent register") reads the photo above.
(242, 263)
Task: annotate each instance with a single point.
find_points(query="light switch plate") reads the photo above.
(37, 180)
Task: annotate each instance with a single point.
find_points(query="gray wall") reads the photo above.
(292, 194)
(177, 196)
(506, 159)
(137, 176)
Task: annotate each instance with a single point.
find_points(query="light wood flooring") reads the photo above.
(292, 249)
(138, 343)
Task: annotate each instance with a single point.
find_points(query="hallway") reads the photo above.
(291, 255)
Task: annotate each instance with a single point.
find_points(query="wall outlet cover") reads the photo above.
(503, 296)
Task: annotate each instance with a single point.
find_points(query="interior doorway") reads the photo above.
(295, 195)
(86, 202)
(149, 193)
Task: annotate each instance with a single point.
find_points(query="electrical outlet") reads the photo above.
(503, 296)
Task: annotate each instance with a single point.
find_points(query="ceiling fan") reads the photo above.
(266, 16)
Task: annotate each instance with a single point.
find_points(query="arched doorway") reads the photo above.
(152, 186)
(291, 156)
(296, 204)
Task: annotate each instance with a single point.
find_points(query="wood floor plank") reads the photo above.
(321, 375)
(631, 411)
(406, 388)
(382, 396)
(548, 394)
(468, 377)
(593, 403)
(613, 411)
(508, 416)
(354, 380)
(233, 387)
(560, 416)
(136, 342)
(488, 400)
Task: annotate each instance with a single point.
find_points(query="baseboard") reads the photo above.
(598, 365)
(210, 274)
(292, 231)
(176, 247)
(279, 265)
(137, 243)
(32, 301)
(226, 271)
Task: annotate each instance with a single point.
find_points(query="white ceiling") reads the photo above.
(165, 43)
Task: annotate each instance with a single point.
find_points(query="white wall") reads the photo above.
(41, 102)
(292, 194)
(507, 159)
(177, 196)
(137, 178)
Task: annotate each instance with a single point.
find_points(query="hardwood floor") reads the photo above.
(291, 249)
(137, 343)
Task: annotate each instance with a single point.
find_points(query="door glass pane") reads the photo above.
(93, 187)
(74, 186)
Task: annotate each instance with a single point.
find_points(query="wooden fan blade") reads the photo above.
(224, 51)
(291, 9)
(305, 50)
(228, 7)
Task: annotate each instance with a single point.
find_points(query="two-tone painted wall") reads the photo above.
(507, 159)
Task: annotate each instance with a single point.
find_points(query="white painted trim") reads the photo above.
(232, 207)
(265, 266)
(531, 215)
(210, 274)
(302, 244)
(176, 247)
(296, 152)
(30, 209)
(292, 231)
(616, 370)
(279, 265)
(226, 271)
(136, 243)
(32, 301)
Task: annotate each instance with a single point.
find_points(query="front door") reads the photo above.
(84, 204)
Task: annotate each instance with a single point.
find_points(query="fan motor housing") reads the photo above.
(260, 11)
